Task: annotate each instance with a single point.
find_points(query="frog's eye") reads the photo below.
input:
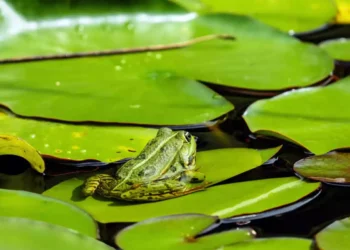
(187, 136)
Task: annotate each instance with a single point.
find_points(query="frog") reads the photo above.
(165, 168)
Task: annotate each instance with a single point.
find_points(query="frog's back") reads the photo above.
(153, 155)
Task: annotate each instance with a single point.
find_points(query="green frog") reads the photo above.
(164, 169)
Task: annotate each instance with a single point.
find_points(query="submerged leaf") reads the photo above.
(306, 117)
(38, 207)
(335, 236)
(20, 233)
(11, 145)
(177, 232)
(331, 167)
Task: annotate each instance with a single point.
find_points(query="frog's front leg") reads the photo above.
(101, 184)
(191, 176)
(161, 190)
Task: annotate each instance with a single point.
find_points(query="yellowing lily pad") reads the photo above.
(285, 243)
(178, 232)
(76, 142)
(308, 117)
(335, 236)
(20, 233)
(343, 13)
(295, 16)
(38, 207)
(339, 49)
(11, 145)
(331, 167)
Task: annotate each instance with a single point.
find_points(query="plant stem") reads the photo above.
(160, 47)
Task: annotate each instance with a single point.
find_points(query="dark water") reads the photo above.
(330, 203)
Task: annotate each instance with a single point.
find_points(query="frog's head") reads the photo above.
(189, 149)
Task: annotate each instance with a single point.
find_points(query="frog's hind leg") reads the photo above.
(161, 190)
(93, 183)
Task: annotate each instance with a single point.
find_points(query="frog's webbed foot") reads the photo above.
(161, 190)
(100, 183)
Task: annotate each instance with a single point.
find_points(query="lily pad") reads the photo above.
(178, 232)
(339, 49)
(226, 200)
(335, 236)
(286, 243)
(77, 142)
(294, 16)
(38, 207)
(343, 7)
(151, 77)
(331, 167)
(20, 233)
(11, 145)
(306, 117)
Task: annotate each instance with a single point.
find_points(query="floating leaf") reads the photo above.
(151, 77)
(331, 167)
(335, 236)
(306, 117)
(295, 16)
(38, 207)
(343, 13)
(11, 145)
(339, 49)
(285, 243)
(20, 233)
(226, 200)
(78, 142)
(177, 232)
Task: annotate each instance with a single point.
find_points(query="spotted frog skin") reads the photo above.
(164, 169)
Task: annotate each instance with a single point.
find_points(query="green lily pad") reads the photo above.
(177, 232)
(217, 165)
(226, 200)
(335, 236)
(20, 233)
(296, 16)
(339, 49)
(306, 117)
(78, 142)
(38, 207)
(11, 145)
(331, 167)
(151, 77)
(286, 243)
